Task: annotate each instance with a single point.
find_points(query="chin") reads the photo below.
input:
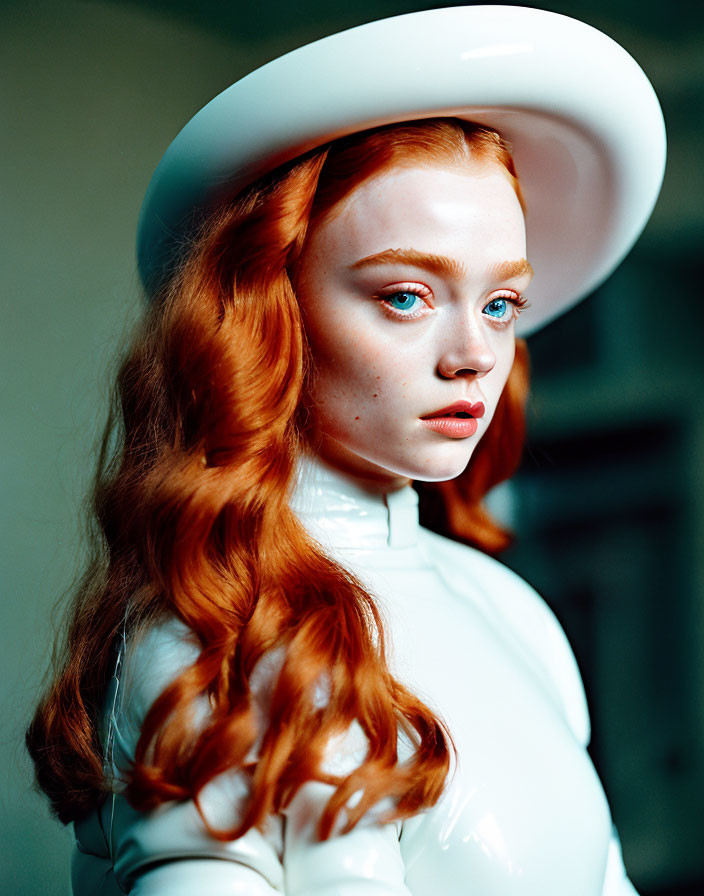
(444, 475)
(436, 470)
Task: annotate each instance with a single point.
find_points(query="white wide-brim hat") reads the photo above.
(583, 122)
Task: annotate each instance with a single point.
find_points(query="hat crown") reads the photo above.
(583, 121)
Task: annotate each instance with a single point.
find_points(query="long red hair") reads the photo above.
(192, 517)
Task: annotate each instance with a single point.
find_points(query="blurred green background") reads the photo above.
(609, 503)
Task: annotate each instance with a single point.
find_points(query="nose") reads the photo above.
(466, 352)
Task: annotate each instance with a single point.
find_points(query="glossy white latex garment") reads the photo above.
(524, 813)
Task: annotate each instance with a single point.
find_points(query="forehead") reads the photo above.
(429, 208)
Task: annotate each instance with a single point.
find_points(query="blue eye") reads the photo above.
(498, 308)
(408, 301)
(402, 301)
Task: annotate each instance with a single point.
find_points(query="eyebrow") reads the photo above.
(441, 264)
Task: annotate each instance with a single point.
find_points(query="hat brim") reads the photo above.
(582, 119)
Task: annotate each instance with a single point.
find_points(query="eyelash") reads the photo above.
(411, 289)
(518, 302)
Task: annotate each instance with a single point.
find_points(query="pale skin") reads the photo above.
(409, 291)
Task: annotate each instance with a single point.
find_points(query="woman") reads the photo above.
(276, 680)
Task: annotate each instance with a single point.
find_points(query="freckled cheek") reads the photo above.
(342, 383)
(351, 362)
(508, 359)
(500, 376)
(357, 394)
(360, 375)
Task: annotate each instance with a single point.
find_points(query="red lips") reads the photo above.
(459, 409)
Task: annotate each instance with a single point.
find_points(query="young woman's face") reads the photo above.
(408, 293)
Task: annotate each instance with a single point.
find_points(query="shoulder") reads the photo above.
(155, 655)
(151, 658)
(485, 571)
(489, 583)
(521, 613)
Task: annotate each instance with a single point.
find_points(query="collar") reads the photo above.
(342, 515)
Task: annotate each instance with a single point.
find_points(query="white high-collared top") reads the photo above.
(523, 813)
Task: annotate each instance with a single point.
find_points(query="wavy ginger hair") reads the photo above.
(191, 506)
